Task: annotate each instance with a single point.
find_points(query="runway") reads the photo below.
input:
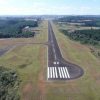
(58, 68)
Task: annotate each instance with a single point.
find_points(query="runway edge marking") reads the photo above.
(47, 54)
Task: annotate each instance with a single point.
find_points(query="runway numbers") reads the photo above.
(58, 73)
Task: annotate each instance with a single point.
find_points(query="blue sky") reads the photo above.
(40, 7)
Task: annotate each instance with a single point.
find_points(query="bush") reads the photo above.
(9, 84)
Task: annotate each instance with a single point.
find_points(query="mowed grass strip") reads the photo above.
(84, 88)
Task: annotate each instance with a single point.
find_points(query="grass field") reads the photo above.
(85, 88)
(30, 60)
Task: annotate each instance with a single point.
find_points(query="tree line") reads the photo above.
(91, 21)
(13, 28)
(85, 36)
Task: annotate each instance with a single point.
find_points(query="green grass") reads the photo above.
(31, 60)
(84, 88)
(28, 60)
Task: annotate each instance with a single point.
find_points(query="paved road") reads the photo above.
(58, 68)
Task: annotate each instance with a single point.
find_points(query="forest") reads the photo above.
(89, 21)
(9, 84)
(12, 28)
(85, 36)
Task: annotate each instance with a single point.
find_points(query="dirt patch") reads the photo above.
(41, 87)
(27, 91)
(41, 82)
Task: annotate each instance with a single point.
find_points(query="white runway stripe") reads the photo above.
(53, 72)
(62, 72)
(67, 72)
(50, 72)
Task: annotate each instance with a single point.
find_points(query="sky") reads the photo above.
(49, 7)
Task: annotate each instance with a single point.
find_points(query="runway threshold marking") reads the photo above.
(58, 73)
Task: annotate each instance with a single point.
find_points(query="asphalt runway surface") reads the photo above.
(3, 50)
(58, 67)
